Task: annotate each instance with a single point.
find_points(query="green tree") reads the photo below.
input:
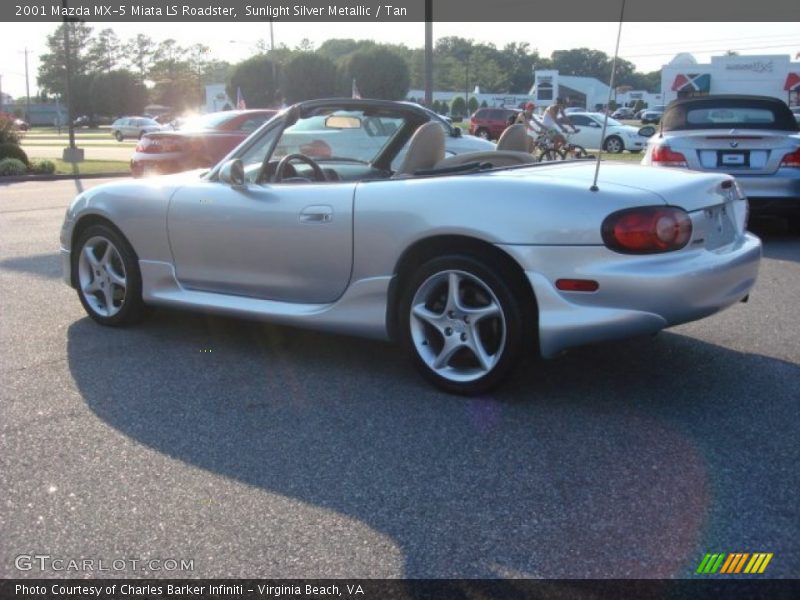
(140, 51)
(117, 93)
(458, 107)
(379, 73)
(52, 64)
(256, 79)
(105, 51)
(472, 104)
(308, 75)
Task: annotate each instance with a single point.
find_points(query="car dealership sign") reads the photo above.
(755, 66)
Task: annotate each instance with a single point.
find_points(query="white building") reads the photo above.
(763, 75)
(586, 92)
(492, 100)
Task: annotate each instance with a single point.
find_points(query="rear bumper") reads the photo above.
(783, 184)
(637, 295)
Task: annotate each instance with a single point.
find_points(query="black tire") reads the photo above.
(119, 136)
(482, 132)
(480, 285)
(614, 144)
(95, 282)
(548, 155)
(576, 151)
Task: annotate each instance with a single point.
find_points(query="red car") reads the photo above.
(489, 123)
(200, 142)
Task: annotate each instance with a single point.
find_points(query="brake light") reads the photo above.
(792, 159)
(158, 145)
(647, 230)
(666, 157)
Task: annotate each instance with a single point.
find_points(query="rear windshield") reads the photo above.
(729, 114)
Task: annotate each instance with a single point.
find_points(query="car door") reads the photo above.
(290, 242)
(589, 134)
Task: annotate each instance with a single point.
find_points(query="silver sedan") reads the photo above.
(466, 260)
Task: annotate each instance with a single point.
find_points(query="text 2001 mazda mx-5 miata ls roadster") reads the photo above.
(345, 215)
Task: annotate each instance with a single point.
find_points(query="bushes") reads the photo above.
(10, 167)
(42, 167)
(8, 133)
(9, 150)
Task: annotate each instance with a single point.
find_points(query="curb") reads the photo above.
(57, 177)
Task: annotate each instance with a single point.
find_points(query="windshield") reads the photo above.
(729, 113)
(354, 136)
(209, 121)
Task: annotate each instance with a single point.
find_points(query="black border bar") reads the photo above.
(393, 11)
(399, 589)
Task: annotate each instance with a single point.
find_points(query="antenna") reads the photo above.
(594, 187)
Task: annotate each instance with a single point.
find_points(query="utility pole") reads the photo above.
(72, 153)
(428, 53)
(271, 36)
(27, 91)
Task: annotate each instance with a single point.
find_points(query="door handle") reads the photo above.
(316, 214)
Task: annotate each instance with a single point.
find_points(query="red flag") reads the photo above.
(356, 93)
(240, 103)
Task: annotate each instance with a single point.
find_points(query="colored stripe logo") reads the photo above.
(734, 563)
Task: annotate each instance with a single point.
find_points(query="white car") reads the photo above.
(619, 137)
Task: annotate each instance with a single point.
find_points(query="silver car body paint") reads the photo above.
(245, 251)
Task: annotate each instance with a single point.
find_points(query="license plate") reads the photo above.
(733, 159)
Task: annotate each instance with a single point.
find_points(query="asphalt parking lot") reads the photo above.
(266, 451)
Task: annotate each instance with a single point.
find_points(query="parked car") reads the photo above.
(652, 115)
(92, 121)
(623, 112)
(489, 123)
(619, 137)
(21, 125)
(200, 142)
(574, 109)
(460, 259)
(456, 142)
(754, 138)
(133, 127)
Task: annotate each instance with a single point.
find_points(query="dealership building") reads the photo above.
(767, 75)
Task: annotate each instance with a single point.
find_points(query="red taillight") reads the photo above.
(158, 145)
(666, 157)
(792, 159)
(647, 230)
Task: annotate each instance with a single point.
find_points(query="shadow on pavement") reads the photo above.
(622, 460)
(47, 266)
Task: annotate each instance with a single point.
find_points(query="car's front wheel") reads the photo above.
(108, 277)
(461, 324)
(118, 135)
(483, 133)
(613, 144)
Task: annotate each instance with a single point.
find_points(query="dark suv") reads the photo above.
(489, 123)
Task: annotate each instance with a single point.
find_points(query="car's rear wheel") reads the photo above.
(119, 136)
(461, 324)
(108, 276)
(482, 132)
(613, 144)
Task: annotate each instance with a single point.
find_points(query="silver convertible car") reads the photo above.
(346, 215)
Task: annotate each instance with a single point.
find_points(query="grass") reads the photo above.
(89, 167)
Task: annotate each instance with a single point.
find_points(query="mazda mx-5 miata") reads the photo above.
(346, 215)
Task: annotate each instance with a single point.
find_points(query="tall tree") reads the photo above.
(307, 76)
(379, 73)
(140, 52)
(52, 64)
(256, 78)
(117, 93)
(105, 51)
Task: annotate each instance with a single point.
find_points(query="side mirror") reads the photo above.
(647, 131)
(232, 173)
(456, 132)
